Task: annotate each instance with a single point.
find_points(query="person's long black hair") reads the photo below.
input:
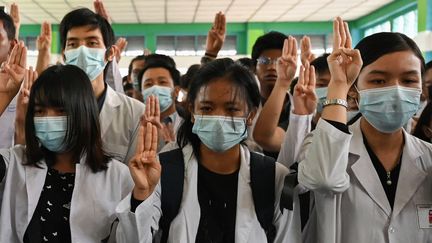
(67, 87)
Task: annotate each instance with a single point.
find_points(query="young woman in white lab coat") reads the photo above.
(372, 181)
(61, 186)
(217, 203)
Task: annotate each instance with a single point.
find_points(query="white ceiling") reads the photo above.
(197, 11)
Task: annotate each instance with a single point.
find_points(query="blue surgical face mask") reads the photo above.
(164, 94)
(322, 95)
(389, 108)
(51, 132)
(220, 133)
(90, 60)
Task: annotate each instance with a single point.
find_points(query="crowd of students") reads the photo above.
(232, 151)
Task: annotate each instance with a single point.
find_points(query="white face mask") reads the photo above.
(90, 60)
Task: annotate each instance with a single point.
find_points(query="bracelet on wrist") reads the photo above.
(340, 102)
(210, 55)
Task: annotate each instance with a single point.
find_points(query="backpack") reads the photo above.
(262, 171)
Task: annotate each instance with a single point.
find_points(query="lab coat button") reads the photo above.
(392, 230)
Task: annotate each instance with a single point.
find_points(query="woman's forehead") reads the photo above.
(221, 90)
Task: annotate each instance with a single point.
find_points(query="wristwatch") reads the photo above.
(335, 102)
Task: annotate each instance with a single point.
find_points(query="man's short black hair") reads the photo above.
(271, 40)
(320, 64)
(8, 25)
(85, 17)
(159, 63)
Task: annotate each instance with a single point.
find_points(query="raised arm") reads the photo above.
(14, 13)
(304, 105)
(12, 75)
(325, 157)
(22, 104)
(43, 44)
(139, 213)
(215, 38)
(266, 132)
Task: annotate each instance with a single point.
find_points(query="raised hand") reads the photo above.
(305, 99)
(306, 50)
(13, 70)
(22, 104)
(43, 42)
(121, 44)
(100, 9)
(14, 13)
(344, 62)
(152, 112)
(216, 35)
(144, 166)
(287, 63)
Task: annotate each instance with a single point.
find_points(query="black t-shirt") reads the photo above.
(50, 221)
(217, 196)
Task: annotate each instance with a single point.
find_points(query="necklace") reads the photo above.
(389, 182)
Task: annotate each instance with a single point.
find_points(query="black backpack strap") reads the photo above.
(172, 180)
(262, 171)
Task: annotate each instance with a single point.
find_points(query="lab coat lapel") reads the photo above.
(364, 170)
(190, 195)
(245, 205)
(410, 175)
(35, 180)
(109, 109)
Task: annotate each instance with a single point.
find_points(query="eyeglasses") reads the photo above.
(266, 60)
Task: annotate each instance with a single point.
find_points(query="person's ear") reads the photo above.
(176, 92)
(111, 53)
(250, 117)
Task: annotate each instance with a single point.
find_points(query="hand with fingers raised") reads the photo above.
(43, 42)
(100, 9)
(14, 13)
(344, 62)
(121, 45)
(304, 98)
(287, 64)
(144, 166)
(13, 70)
(306, 50)
(22, 104)
(152, 112)
(216, 35)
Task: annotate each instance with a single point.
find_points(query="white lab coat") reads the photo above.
(185, 226)
(299, 126)
(350, 202)
(94, 199)
(119, 123)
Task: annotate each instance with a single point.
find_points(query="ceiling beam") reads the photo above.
(256, 10)
(46, 11)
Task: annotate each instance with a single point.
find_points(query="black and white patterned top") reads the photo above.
(50, 221)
